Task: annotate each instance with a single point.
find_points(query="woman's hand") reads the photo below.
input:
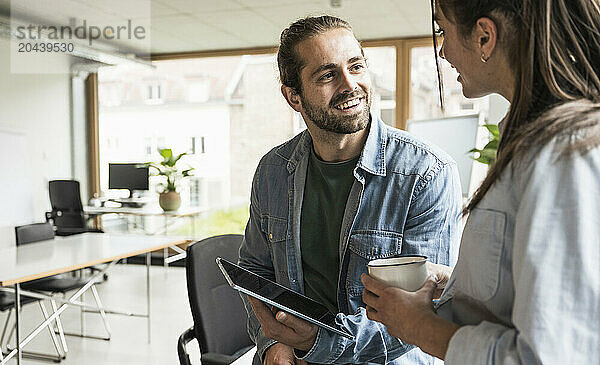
(442, 273)
(400, 311)
(409, 315)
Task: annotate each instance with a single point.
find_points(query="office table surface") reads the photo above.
(146, 211)
(64, 254)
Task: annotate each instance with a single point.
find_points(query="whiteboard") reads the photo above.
(456, 136)
(15, 185)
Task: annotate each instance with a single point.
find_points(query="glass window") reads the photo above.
(424, 95)
(225, 112)
(382, 65)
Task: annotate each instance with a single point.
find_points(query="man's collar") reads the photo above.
(302, 148)
(372, 157)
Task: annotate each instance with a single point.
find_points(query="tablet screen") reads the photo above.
(277, 293)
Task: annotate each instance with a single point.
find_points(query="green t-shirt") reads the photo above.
(326, 192)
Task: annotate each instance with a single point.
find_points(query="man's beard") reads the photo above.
(325, 117)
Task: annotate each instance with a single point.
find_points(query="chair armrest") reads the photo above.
(213, 358)
(187, 336)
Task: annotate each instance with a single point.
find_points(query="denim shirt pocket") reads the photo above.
(365, 246)
(275, 230)
(482, 248)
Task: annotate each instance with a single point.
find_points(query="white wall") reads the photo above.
(37, 106)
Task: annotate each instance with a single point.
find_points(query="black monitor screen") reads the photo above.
(127, 176)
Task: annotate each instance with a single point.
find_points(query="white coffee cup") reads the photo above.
(404, 272)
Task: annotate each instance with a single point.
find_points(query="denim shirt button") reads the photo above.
(270, 236)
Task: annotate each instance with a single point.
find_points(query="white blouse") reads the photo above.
(526, 287)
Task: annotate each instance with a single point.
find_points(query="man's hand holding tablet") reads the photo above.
(296, 321)
(284, 327)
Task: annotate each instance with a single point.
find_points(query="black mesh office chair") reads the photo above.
(56, 284)
(217, 309)
(67, 210)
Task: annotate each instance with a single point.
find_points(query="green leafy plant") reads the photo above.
(487, 155)
(169, 168)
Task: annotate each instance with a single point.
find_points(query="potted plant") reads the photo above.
(487, 155)
(169, 198)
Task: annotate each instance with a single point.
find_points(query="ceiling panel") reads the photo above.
(124, 9)
(159, 10)
(226, 41)
(165, 43)
(52, 12)
(184, 29)
(203, 6)
(283, 15)
(384, 7)
(419, 16)
(196, 25)
(386, 28)
(268, 3)
(246, 24)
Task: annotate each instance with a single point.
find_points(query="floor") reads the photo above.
(124, 290)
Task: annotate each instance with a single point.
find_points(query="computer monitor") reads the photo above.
(455, 135)
(130, 176)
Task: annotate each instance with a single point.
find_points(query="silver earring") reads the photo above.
(484, 59)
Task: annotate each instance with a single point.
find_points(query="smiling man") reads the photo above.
(347, 190)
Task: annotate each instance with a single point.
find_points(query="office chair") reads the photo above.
(56, 284)
(7, 300)
(67, 210)
(218, 311)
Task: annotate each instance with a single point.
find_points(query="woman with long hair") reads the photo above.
(526, 287)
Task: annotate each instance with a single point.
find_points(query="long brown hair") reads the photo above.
(554, 48)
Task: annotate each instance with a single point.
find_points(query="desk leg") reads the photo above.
(18, 322)
(148, 262)
(166, 249)
(82, 316)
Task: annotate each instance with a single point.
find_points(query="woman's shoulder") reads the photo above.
(566, 131)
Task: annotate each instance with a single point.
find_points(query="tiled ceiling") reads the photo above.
(201, 25)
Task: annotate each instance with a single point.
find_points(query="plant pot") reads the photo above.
(170, 200)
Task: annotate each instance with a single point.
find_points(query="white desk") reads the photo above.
(45, 258)
(149, 210)
(154, 210)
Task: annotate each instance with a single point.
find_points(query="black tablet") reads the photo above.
(279, 296)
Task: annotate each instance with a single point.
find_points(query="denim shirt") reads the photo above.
(406, 199)
(526, 287)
